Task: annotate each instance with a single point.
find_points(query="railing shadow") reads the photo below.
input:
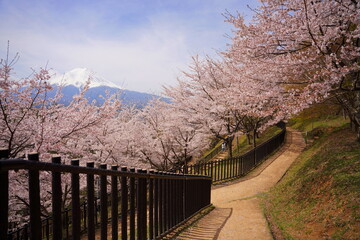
(209, 227)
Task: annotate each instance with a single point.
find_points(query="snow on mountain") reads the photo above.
(79, 76)
(75, 79)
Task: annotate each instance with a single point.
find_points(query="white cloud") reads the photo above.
(141, 56)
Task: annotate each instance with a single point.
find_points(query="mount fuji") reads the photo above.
(73, 81)
(78, 78)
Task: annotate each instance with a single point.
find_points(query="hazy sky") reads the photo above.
(139, 44)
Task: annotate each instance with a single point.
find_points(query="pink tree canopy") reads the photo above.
(311, 48)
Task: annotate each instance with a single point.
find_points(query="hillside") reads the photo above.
(319, 196)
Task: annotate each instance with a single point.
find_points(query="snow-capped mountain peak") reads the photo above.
(78, 77)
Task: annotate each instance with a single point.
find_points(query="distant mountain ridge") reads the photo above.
(73, 81)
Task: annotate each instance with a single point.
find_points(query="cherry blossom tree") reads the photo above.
(189, 139)
(165, 136)
(217, 94)
(201, 95)
(22, 103)
(115, 139)
(309, 47)
(31, 121)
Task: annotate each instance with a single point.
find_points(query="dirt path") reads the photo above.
(246, 220)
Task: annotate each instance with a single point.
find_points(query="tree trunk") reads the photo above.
(248, 136)
(229, 142)
(356, 125)
(237, 144)
(185, 171)
(254, 138)
(351, 105)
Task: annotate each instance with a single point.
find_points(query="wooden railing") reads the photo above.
(227, 169)
(145, 204)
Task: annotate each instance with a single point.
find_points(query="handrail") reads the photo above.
(217, 149)
(152, 203)
(230, 168)
(20, 163)
(159, 201)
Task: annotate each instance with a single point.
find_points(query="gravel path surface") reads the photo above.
(246, 220)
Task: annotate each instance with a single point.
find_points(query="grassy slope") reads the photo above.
(208, 151)
(241, 145)
(319, 196)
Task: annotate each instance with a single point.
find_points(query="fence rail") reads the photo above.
(145, 204)
(131, 203)
(226, 169)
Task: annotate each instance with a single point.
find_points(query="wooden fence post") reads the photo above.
(34, 199)
(151, 206)
(132, 206)
(56, 201)
(4, 197)
(124, 205)
(75, 203)
(114, 204)
(90, 203)
(103, 205)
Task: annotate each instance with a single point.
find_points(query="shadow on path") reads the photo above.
(209, 227)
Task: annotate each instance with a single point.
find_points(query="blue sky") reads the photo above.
(139, 44)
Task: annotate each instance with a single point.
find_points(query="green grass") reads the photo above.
(207, 152)
(241, 145)
(319, 197)
(308, 126)
(321, 115)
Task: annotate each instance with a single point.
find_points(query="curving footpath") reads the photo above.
(238, 203)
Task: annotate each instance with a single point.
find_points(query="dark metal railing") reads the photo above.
(143, 204)
(226, 169)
